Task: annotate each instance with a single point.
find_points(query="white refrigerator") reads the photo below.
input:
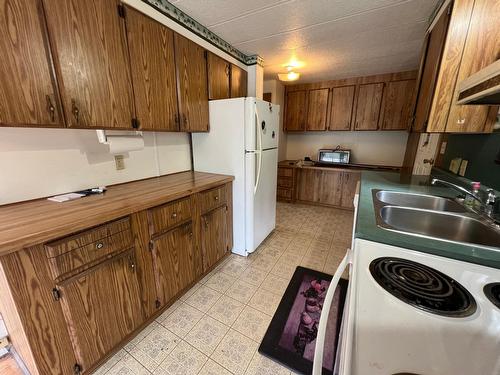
(243, 142)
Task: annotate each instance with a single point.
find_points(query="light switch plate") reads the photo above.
(119, 162)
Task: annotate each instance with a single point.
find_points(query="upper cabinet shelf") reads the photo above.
(381, 102)
(102, 65)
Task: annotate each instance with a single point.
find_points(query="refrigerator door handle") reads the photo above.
(259, 150)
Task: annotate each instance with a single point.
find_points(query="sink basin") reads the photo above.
(439, 225)
(427, 202)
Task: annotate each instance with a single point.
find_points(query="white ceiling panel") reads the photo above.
(333, 38)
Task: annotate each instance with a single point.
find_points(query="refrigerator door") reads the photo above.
(262, 125)
(260, 196)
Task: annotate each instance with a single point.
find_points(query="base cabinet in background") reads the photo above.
(214, 236)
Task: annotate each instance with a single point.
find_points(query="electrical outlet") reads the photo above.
(119, 162)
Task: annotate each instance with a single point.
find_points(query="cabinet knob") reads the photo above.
(75, 111)
(216, 198)
(461, 121)
(99, 245)
(174, 215)
(51, 109)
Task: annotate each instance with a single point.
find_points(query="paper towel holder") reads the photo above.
(103, 138)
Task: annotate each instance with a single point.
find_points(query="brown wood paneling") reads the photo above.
(349, 182)
(192, 84)
(330, 187)
(28, 92)
(368, 106)
(342, 101)
(169, 215)
(91, 58)
(285, 172)
(29, 223)
(396, 104)
(239, 82)
(296, 111)
(152, 63)
(101, 308)
(218, 77)
(284, 194)
(285, 182)
(317, 109)
(214, 237)
(175, 261)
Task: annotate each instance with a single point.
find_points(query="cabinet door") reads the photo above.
(175, 262)
(341, 108)
(317, 109)
(330, 188)
(296, 111)
(28, 94)
(152, 64)
(214, 236)
(397, 104)
(239, 82)
(218, 77)
(368, 106)
(191, 68)
(101, 308)
(90, 53)
(482, 48)
(308, 185)
(349, 182)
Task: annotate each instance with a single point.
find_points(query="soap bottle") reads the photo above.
(469, 200)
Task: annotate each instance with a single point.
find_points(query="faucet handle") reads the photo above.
(492, 198)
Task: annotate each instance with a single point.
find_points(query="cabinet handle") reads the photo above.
(75, 111)
(461, 121)
(132, 264)
(174, 215)
(216, 197)
(190, 234)
(99, 245)
(51, 109)
(206, 222)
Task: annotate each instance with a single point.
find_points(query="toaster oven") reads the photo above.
(334, 156)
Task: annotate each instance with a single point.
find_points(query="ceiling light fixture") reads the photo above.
(290, 76)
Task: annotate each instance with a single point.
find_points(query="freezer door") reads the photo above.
(261, 124)
(260, 196)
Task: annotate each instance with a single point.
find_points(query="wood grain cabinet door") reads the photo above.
(239, 82)
(368, 106)
(317, 110)
(101, 308)
(296, 111)
(152, 63)
(214, 236)
(28, 93)
(192, 90)
(330, 188)
(349, 182)
(175, 262)
(91, 57)
(308, 185)
(218, 77)
(342, 102)
(396, 105)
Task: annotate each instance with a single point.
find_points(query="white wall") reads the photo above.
(379, 148)
(37, 163)
(277, 90)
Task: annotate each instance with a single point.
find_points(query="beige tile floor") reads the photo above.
(216, 327)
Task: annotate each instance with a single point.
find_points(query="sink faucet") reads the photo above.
(456, 187)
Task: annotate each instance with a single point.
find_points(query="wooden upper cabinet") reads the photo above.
(397, 104)
(368, 106)
(28, 93)
(152, 63)
(90, 53)
(192, 92)
(218, 77)
(239, 82)
(342, 100)
(317, 109)
(102, 307)
(296, 111)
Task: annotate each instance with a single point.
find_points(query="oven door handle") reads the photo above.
(325, 312)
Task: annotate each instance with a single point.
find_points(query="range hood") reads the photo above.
(482, 87)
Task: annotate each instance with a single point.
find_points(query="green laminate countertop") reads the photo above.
(366, 226)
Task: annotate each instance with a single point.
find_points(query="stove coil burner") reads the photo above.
(423, 287)
(492, 291)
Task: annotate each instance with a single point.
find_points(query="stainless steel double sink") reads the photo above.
(433, 217)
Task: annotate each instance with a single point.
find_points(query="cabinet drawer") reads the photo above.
(67, 244)
(212, 198)
(285, 172)
(169, 215)
(80, 259)
(284, 193)
(285, 182)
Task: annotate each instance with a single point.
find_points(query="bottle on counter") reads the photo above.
(470, 201)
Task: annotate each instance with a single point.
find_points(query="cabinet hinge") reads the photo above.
(151, 245)
(77, 369)
(157, 303)
(135, 123)
(56, 294)
(121, 10)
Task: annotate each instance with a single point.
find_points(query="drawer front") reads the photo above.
(70, 243)
(169, 215)
(285, 172)
(285, 182)
(80, 259)
(284, 193)
(212, 198)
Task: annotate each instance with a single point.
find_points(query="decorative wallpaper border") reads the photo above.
(174, 13)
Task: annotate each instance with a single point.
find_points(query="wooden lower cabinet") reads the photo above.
(330, 187)
(287, 177)
(349, 182)
(214, 236)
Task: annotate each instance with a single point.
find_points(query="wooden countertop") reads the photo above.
(30, 223)
(340, 167)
